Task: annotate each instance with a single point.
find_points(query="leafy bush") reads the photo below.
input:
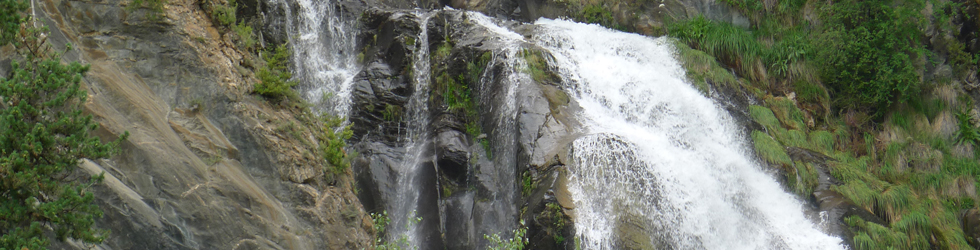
(332, 138)
(868, 53)
(516, 243)
(597, 14)
(381, 223)
(10, 19)
(968, 131)
(43, 136)
(224, 14)
(274, 76)
(246, 38)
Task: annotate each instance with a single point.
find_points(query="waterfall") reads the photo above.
(661, 164)
(499, 113)
(324, 45)
(404, 205)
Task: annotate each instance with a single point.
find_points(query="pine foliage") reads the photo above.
(43, 137)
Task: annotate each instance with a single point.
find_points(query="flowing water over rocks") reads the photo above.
(587, 135)
(323, 39)
(632, 155)
(661, 157)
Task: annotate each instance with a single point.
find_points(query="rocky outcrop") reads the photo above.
(832, 206)
(206, 166)
(471, 146)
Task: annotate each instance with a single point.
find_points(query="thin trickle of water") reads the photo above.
(324, 48)
(663, 164)
(498, 102)
(404, 206)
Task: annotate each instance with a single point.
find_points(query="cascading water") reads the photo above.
(324, 44)
(405, 204)
(502, 115)
(662, 164)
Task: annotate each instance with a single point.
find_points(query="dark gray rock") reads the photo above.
(452, 154)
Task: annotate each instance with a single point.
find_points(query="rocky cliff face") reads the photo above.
(207, 166)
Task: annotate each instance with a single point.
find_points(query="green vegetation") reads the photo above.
(454, 92)
(44, 135)
(598, 13)
(847, 83)
(527, 183)
(969, 131)
(246, 38)
(537, 67)
(703, 68)
(11, 19)
(332, 142)
(866, 50)
(274, 76)
(554, 211)
(516, 243)
(155, 6)
(869, 52)
(769, 149)
(381, 223)
(224, 14)
(391, 112)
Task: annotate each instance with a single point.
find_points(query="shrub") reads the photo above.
(10, 19)
(246, 38)
(332, 137)
(516, 243)
(274, 76)
(597, 14)
(867, 60)
(43, 136)
(224, 14)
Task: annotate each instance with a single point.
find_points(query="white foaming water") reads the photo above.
(662, 163)
(324, 45)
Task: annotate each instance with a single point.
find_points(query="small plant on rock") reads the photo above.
(274, 77)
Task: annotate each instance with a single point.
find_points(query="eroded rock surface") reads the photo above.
(206, 166)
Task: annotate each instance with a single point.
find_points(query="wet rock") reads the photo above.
(548, 213)
(460, 228)
(452, 154)
(833, 206)
(971, 226)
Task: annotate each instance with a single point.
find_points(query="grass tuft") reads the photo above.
(770, 150)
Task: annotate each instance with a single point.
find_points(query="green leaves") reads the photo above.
(10, 19)
(868, 61)
(43, 136)
(332, 139)
(516, 243)
(275, 76)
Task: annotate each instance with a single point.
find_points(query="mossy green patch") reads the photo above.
(763, 116)
(793, 138)
(770, 150)
(822, 141)
(703, 69)
(787, 112)
(803, 178)
(537, 67)
(807, 91)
